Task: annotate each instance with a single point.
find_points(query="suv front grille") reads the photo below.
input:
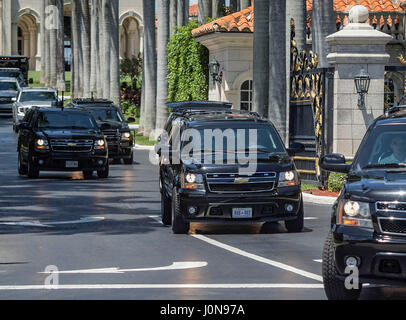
(112, 135)
(391, 206)
(230, 183)
(6, 101)
(392, 226)
(71, 145)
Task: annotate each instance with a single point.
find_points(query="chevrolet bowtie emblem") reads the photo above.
(241, 180)
(71, 144)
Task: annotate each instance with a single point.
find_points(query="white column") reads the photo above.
(14, 38)
(141, 39)
(6, 27)
(33, 47)
(38, 55)
(358, 46)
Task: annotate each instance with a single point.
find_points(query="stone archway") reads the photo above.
(130, 38)
(27, 37)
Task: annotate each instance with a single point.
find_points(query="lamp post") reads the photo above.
(214, 70)
(362, 81)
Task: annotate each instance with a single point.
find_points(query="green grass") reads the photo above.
(306, 187)
(36, 76)
(143, 141)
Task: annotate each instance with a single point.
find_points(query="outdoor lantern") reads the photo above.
(214, 69)
(362, 81)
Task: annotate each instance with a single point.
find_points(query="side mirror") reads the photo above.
(334, 162)
(31, 81)
(295, 148)
(130, 120)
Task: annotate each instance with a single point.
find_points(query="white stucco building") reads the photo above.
(20, 27)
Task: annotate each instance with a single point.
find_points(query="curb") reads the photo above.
(318, 199)
(140, 147)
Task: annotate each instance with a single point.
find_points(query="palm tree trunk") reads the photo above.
(43, 43)
(94, 35)
(182, 19)
(99, 49)
(173, 16)
(106, 47)
(77, 45)
(246, 3)
(85, 42)
(277, 66)
(47, 53)
(234, 5)
(52, 52)
(205, 11)
(323, 24)
(115, 54)
(162, 70)
(261, 57)
(217, 8)
(150, 67)
(60, 63)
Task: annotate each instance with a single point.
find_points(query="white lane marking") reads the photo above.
(311, 218)
(318, 260)
(173, 266)
(253, 256)
(258, 258)
(50, 224)
(166, 286)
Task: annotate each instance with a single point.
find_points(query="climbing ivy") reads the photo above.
(188, 74)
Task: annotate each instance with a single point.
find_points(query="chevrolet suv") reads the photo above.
(367, 241)
(61, 139)
(225, 166)
(115, 128)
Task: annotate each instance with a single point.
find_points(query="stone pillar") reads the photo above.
(38, 56)
(6, 27)
(358, 46)
(141, 39)
(33, 47)
(14, 38)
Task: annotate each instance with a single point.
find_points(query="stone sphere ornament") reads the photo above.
(359, 14)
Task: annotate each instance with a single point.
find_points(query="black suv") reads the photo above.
(368, 221)
(114, 127)
(202, 183)
(61, 139)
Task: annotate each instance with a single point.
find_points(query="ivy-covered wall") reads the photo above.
(188, 74)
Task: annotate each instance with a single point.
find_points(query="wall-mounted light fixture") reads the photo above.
(214, 70)
(362, 81)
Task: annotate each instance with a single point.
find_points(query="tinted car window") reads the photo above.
(106, 114)
(37, 96)
(383, 145)
(66, 120)
(8, 86)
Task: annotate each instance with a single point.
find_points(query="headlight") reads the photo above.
(288, 179)
(192, 181)
(99, 144)
(354, 213)
(126, 135)
(22, 110)
(41, 144)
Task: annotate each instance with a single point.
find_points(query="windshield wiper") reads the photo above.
(385, 165)
(258, 150)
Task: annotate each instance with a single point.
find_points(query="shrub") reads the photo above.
(336, 181)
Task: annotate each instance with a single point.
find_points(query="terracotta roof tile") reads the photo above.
(194, 10)
(243, 21)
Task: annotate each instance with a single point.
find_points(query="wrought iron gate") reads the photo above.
(311, 91)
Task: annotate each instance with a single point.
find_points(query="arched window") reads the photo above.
(246, 95)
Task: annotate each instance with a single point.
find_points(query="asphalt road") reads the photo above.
(62, 222)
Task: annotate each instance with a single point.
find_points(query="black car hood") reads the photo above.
(111, 125)
(70, 134)
(374, 185)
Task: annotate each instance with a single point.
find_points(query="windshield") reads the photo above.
(384, 147)
(4, 85)
(263, 139)
(66, 120)
(106, 114)
(9, 74)
(45, 96)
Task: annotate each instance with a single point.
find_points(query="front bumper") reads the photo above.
(382, 258)
(57, 161)
(217, 208)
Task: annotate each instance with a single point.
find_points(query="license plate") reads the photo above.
(242, 213)
(72, 164)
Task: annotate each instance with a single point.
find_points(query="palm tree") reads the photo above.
(106, 28)
(43, 43)
(205, 11)
(60, 63)
(47, 53)
(85, 46)
(94, 50)
(323, 24)
(183, 12)
(77, 88)
(162, 64)
(149, 68)
(261, 57)
(246, 3)
(173, 15)
(52, 46)
(99, 49)
(217, 9)
(115, 54)
(235, 5)
(277, 66)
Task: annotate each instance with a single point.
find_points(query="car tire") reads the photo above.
(32, 169)
(22, 169)
(333, 286)
(129, 160)
(87, 174)
(179, 225)
(166, 212)
(297, 224)
(103, 174)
